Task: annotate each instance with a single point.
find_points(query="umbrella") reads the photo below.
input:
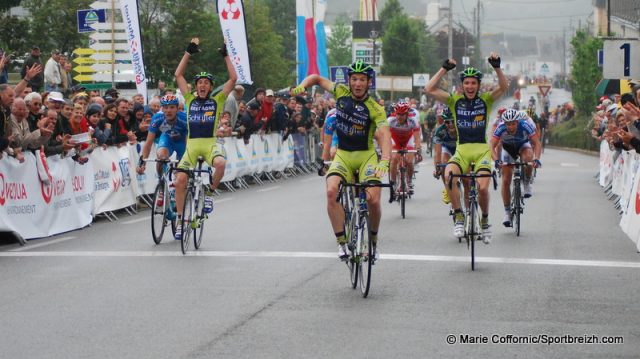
(612, 86)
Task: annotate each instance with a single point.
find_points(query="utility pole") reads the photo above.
(608, 17)
(564, 55)
(450, 44)
(373, 34)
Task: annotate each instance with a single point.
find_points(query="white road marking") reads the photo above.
(330, 255)
(38, 245)
(145, 218)
(268, 189)
(216, 201)
(565, 164)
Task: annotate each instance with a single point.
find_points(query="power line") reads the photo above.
(536, 17)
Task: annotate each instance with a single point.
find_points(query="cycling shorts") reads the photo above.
(511, 152)
(472, 152)
(165, 142)
(208, 148)
(346, 163)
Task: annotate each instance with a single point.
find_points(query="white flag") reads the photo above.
(231, 14)
(129, 10)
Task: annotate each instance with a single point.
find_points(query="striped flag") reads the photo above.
(323, 65)
(307, 43)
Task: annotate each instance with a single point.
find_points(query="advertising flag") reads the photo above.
(321, 37)
(129, 9)
(231, 14)
(307, 43)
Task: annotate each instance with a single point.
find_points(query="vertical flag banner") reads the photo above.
(129, 9)
(234, 31)
(307, 45)
(323, 64)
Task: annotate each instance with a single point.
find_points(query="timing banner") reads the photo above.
(234, 32)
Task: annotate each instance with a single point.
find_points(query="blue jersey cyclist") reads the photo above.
(204, 110)
(170, 127)
(470, 112)
(518, 139)
(330, 134)
(358, 119)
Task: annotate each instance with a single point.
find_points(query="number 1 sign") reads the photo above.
(621, 59)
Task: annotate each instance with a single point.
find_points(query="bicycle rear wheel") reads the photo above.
(473, 232)
(517, 207)
(200, 217)
(187, 218)
(365, 250)
(158, 214)
(352, 261)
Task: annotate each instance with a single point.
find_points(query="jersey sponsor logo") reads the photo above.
(369, 171)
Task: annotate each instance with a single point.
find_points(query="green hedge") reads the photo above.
(575, 133)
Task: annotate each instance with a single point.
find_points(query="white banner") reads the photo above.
(606, 164)
(231, 15)
(129, 10)
(114, 184)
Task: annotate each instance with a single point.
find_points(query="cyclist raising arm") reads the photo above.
(203, 117)
(357, 118)
(470, 112)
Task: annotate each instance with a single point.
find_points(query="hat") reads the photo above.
(301, 100)
(56, 96)
(78, 88)
(253, 105)
(148, 110)
(269, 92)
(35, 47)
(112, 92)
(93, 109)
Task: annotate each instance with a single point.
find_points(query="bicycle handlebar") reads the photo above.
(365, 185)
(404, 151)
(473, 176)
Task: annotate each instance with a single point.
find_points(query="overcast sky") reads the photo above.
(545, 18)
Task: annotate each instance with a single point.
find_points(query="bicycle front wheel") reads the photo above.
(474, 232)
(352, 235)
(403, 191)
(200, 217)
(517, 206)
(366, 253)
(158, 213)
(187, 219)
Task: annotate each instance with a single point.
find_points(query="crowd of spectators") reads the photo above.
(616, 119)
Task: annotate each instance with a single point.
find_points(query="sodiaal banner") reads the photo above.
(115, 187)
(37, 209)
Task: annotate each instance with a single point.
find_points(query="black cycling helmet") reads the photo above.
(203, 75)
(360, 67)
(471, 72)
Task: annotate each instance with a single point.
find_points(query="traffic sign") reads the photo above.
(108, 25)
(620, 59)
(110, 46)
(108, 55)
(97, 86)
(544, 69)
(90, 61)
(102, 68)
(420, 80)
(87, 18)
(544, 89)
(105, 4)
(105, 77)
(98, 36)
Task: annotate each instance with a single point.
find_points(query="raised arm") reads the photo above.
(432, 88)
(312, 80)
(182, 83)
(503, 84)
(233, 76)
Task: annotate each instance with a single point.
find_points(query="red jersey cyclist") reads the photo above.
(405, 134)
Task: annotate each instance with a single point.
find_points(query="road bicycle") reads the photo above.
(440, 172)
(353, 197)
(517, 198)
(163, 208)
(472, 229)
(194, 216)
(403, 192)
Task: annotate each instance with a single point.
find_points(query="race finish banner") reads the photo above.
(234, 32)
(129, 9)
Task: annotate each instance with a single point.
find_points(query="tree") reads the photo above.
(585, 73)
(285, 27)
(392, 8)
(12, 39)
(339, 43)
(5, 5)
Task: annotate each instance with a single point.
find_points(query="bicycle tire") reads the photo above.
(403, 191)
(366, 255)
(353, 260)
(517, 200)
(158, 216)
(473, 233)
(200, 217)
(187, 218)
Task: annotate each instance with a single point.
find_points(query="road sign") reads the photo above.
(465, 60)
(102, 68)
(90, 61)
(118, 56)
(110, 46)
(621, 59)
(88, 18)
(544, 69)
(395, 83)
(420, 80)
(97, 86)
(104, 4)
(107, 26)
(105, 77)
(544, 89)
(108, 36)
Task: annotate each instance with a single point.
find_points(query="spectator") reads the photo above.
(34, 104)
(242, 108)
(5, 61)
(232, 103)
(154, 105)
(126, 124)
(161, 89)
(109, 118)
(60, 141)
(225, 128)
(143, 127)
(65, 84)
(280, 115)
(138, 98)
(100, 132)
(55, 101)
(23, 138)
(37, 81)
(52, 78)
(80, 126)
(247, 124)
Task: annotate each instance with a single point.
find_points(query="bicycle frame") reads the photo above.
(193, 215)
(402, 174)
(517, 199)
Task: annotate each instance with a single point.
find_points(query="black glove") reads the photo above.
(323, 170)
(223, 50)
(447, 65)
(495, 62)
(141, 162)
(193, 48)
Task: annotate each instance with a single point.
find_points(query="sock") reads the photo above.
(340, 238)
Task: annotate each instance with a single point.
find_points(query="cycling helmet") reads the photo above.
(471, 72)
(501, 110)
(447, 115)
(510, 115)
(360, 67)
(169, 99)
(203, 75)
(522, 115)
(401, 108)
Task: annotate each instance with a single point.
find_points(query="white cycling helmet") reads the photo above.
(510, 115)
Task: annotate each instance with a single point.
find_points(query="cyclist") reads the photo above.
(170, 127)
(470, 112)
(405, 134)
(204, 110)
(444, 146)
(531, 113)
(358, 118)
(519, 139)
(329, 138)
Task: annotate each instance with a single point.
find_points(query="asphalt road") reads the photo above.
(267, 282)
